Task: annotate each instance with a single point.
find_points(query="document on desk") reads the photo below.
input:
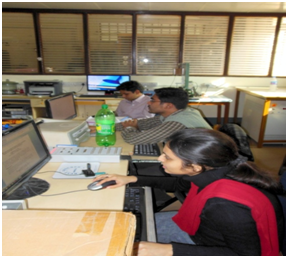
(74, 170)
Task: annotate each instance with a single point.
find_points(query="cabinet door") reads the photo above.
(86, 108)
(113, 103)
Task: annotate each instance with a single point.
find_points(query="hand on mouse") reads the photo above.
(120, 180)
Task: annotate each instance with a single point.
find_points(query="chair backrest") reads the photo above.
(240, 137)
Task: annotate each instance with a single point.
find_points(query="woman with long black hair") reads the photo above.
(231, 207)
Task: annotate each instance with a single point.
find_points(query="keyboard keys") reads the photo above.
(149, 149)
(135, 203)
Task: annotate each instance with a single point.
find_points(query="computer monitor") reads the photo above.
(106, 83)
(23, 153)
(61, 107)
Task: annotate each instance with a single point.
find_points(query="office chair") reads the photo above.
(239, 136)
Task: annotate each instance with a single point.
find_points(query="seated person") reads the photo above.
(231, 207)
(173, 114)
(135, 103)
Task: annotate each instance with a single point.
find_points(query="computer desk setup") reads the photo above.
(68, 194)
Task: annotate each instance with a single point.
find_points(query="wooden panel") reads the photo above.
(67, 233)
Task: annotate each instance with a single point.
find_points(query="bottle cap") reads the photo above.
(104, 106)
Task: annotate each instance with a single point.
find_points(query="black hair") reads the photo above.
(211, 148)
(131, 86)
(178, 97)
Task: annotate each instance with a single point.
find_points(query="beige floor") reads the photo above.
(269, 157)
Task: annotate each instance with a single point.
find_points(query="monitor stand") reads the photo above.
(33, 187)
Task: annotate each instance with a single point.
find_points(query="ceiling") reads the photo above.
(247, 7)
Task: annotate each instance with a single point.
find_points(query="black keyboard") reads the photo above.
(135, 203)
(149, 149)
(98, 96)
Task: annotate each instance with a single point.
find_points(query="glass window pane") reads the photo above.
(63, 43)
(110, 43)
(158, 38)
(19, 51)
(205, 44)
(251, 45)
(279, 67)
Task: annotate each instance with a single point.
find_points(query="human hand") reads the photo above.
(154, 249)
(132, 123)
(92, 129)
(120, 180)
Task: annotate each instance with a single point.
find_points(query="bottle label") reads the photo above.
(105, 129)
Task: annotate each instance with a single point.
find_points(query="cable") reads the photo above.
(48, 195)
(60, 173)
(172, 80)
(81, 88)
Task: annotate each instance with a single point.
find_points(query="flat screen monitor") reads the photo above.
(107, 83)
(61, 107)
(23, 153)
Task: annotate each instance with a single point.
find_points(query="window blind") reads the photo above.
(205, 44)
(110, 44)
(157, 41)
(19, 51)
(279, 66)
(251, 45)
(63, 43)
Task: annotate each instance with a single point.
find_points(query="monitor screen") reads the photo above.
(105, 82)
(23, 153)
(61, 107)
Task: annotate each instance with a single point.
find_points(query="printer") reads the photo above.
(48, 88)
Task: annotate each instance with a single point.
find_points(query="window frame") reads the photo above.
(134, 14)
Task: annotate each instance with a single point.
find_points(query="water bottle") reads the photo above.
(273, 84)
(105, 125)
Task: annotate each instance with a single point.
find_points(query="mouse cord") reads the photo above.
(47, 195)
(60, 173)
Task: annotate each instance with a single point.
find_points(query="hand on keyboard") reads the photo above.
(132, 123)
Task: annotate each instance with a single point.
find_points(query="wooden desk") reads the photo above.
(62, 233)
(106, 199)
(217, 101)
(265, 96)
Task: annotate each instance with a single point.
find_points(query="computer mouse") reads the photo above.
(92, 186)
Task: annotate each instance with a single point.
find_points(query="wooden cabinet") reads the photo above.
(37, 103)
(90, 106)
(113, 103)
(85, 106)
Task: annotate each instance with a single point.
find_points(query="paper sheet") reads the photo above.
(74, 170)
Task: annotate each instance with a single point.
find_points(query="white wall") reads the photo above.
(74, 83)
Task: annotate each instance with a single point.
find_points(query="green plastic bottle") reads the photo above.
(105, 125)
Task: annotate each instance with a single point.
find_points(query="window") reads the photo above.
(279, 67)
(63, 43)
(143, 43)
(110, 44)
(19, 50)
(205, 44)
(251, 46)
(158, 38)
